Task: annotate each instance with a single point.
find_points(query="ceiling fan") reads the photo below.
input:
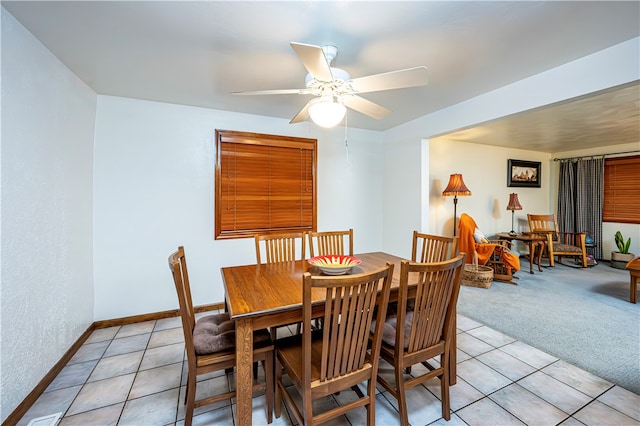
(334, 89)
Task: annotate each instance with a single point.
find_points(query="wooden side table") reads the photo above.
(533, 241)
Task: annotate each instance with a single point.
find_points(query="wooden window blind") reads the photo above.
(621, 190)
(264, 183)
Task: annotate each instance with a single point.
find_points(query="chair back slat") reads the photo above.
(281, 247)
(427, 248)
(437, 289)
(331, 242)
(349, 309)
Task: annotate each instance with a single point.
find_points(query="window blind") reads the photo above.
(264, 183)
(621, 190)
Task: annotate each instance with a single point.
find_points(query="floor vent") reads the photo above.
(48, 420)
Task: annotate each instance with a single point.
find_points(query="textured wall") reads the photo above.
(154, 190)
(48, 118)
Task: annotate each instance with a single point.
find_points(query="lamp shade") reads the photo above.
(456, 186)
(514, 204)
(326, 112)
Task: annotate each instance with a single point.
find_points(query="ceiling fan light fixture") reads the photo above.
(326, 112)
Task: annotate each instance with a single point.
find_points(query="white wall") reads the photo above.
(610, 67)
(48, 118)
(154, 187)
(484, 169)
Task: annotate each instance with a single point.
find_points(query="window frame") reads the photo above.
(253, 145)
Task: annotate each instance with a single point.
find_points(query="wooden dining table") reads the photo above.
(270, 295)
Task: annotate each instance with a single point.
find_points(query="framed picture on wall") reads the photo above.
(521, 173)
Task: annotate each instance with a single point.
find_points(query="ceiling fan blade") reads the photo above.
(314, 61)
(365, 106)
(276, 92)
(302, 115)
(409, 77)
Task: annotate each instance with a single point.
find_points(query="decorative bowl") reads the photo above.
(334, 264)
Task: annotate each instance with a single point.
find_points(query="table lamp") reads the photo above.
(456, 187)
(513, 205)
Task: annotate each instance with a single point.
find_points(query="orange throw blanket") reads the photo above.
(468, 245)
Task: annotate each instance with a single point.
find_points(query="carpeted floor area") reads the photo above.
(582, 316)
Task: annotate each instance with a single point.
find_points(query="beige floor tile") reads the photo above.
(460, 395)
(101, 394)
(577, 378)
(127, 344)
(482, 377)
(166, 337)
(102, 334)
(220, 417)
(117, 365)
(422, 406)
(168, 323)
(89, 352)
(622, 400)
(525, 353)
(163, 355)
(490, 336)
(57, 401)
(599, 414)
(72, 375)
(472, 345)
(527, 407)
(464, 323)
(555, 392)
(505, 364)
(571, 422)
(105, 416)
(136, 328)
(156, 409)
(156, 380)
(385, 413)
(487, 413)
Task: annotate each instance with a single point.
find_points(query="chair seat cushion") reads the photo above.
(566, 248)
(390, 326)
(217, 333)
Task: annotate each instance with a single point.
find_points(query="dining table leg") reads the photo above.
(244, 370)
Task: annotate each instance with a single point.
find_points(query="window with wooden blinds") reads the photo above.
(264, 183)
(622, 190)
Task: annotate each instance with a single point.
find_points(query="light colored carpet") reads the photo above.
(582, 316)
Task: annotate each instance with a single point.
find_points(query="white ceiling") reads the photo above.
(198, 52)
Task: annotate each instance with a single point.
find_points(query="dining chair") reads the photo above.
(280, 247)
(426, 332)
(210, 345)
(335, 358)
(558, 243)
(433, 248)
(277, 248)
(331, 242)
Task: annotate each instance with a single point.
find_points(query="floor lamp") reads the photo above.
(513, 205)
(455, 188)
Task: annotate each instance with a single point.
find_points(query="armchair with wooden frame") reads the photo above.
(561, 244)
(496, 254)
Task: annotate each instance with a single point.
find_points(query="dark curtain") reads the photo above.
(580, 195)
